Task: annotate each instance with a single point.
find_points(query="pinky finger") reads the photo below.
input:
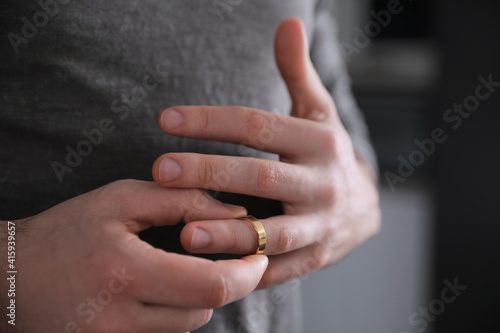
(296, 264)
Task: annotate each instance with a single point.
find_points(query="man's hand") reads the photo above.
(81, 265)
(329, 195)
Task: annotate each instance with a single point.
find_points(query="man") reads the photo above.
(81, 98)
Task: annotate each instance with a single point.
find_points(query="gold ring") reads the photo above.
(261, 232)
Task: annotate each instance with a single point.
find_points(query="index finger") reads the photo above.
(263, 130)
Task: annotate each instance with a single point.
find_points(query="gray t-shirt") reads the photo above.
(82, 85)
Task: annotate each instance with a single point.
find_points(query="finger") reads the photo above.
(170, 279)
(250, 176)
(283, 135)
(283, 233)
(141, 204)
(170, 319)
(299, 263)
(310, 98)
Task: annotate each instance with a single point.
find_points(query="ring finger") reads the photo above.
(283, 233)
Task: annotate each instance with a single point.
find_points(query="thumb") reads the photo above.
(309, 97)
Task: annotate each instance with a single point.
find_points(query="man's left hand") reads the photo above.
(329, 194)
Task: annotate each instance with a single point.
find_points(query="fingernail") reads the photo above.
(200, 239)
(169, 170)
(235, 209)
(171, 119)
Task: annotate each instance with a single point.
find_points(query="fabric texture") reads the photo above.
(83, 83)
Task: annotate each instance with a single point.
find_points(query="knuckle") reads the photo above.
(329, 140)
(316, 263)
(118, 194)
(231, 240)
(125, 184)
(286, 240)
(204, 122)
(322, 259)
(326, 103)
(121, 188)
(205, 172)
(257, 123)
(268, 176)
(316, 260)
(219, 291)
(329, 194)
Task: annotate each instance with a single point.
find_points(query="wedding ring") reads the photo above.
(261, 232)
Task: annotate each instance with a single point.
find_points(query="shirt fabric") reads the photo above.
(83, 82)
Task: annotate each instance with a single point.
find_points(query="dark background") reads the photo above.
(467, 169)
(457, 41)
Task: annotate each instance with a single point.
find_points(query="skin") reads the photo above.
(329, 195)
(69, 254)
(72, 253)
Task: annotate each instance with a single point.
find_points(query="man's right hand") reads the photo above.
(81, 265)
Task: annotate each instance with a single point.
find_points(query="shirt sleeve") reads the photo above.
(330, 64)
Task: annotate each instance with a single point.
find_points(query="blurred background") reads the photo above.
(435, 265)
